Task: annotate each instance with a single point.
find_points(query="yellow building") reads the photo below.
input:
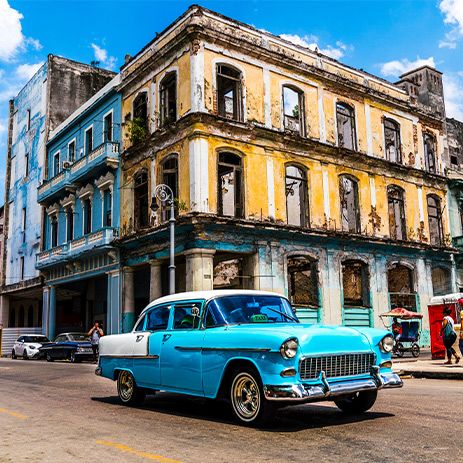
(292, 172)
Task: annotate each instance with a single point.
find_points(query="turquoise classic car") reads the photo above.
(249, 348)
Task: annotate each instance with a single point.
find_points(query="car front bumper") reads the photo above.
(326, 391)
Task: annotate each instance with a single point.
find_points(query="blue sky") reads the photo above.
(383, 37)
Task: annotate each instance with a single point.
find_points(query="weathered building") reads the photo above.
(57, 89)
(292, 172)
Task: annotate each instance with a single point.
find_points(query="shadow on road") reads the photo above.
(288, 419)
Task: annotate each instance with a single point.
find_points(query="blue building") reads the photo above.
(80, 199)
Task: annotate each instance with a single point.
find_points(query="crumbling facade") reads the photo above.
(292, 172)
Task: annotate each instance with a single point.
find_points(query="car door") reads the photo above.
(19, 348)
(58, 349)
(181, 349)
(147, 346)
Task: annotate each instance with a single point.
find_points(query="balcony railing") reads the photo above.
(106, 153)
(72, 249)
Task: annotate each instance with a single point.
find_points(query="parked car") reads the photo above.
(250, 348)
(68, 346)
(28, 346)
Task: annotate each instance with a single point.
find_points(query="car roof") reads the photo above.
(36, 335)
(206, 295)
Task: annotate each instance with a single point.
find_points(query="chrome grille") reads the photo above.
(336, 365)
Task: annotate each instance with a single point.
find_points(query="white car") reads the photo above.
(27, 346)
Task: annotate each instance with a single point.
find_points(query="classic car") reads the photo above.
(250, 348)
(68, 346)
(28, 345)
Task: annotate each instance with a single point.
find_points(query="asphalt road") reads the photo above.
(62, 412)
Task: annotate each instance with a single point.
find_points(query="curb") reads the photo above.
(431, 374)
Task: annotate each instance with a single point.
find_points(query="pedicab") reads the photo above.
(407, 340)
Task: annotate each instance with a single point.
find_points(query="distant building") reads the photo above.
(56, 90)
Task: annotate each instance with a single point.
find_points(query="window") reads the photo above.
(303, 281)
(441, 281)
(56, 164)
(401, 288)
(107, 208)
(108, 127)
(72, 151)
(355, 284)
(170, 178)
(54, 231)
(69, 224)
(229, 96)
(141, 324)
(395, 199)
(22, 270)
(429, 142)
(293, 109)
(140, 109)
(345, 118)
(350, 215)
(168, 99)
(28, 119)
(392, 140)
(24, 224)
(187, 316)
(88, 141)
(158, 318)
(141, 200)
(87, 215)
(436, 231)
(26, 164)
(230, 188)
(296, 197)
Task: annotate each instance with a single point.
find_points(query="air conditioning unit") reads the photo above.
(66, 165)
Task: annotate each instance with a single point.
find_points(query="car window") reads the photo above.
(20, 339)
(60, 339)
(186, 316)
(157, 318)
(140, 324)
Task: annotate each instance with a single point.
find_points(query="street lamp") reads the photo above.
(164, 194)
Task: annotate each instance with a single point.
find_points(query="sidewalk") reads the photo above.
(433, 369)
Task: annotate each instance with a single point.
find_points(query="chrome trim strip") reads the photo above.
(213, 349)
(130, 356)
(188, 349)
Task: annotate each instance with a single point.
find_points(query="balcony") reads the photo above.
(107, 154)
(75, 248)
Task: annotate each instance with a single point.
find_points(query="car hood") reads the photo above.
(37, 345)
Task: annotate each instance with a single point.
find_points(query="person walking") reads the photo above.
(460, 344)
(95, 334)
(449, 336)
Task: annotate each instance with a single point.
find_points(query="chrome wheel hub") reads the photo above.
(245, 396)
(125, 385)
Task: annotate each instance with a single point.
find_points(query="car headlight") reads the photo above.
(80, 349)
(387, 343)
(32, 347)
(289, 348)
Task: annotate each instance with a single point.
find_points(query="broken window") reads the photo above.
(345, 119)
(355, 284)
(395, 199)
(229, 92)
(429, 142)
(141, 200)
(350, 214)
(108, 127)
(303, 281)
(392, 140)
(230, 188)
(436, 231)
(441, 281)
(54, 230)
(140, 109)
(170, 178)
(296, 197)
(228, 274)
(87, 215)
(69, 224)
(401, 287)
(293, 109)
(56, 164)
(168, 99)
(107, 208)
(89, 140)
(71, 151)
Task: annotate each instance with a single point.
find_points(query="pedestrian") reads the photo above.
(397, 329)
(460, 344)
(449, 336)
(95, 334)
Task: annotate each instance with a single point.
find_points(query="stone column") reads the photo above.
(4, 311)
(49, 312)
(155, 279)
(128, 309)
(199, 272)
(113, 315)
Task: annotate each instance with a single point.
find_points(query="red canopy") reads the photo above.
(404, 314)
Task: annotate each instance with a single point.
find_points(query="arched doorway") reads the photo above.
(401, 287)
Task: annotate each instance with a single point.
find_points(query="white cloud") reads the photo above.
(453, 15)
(102, 56)
(397, 67)
(453, 91)
(26, 71)
(311, 42)
(11, 36)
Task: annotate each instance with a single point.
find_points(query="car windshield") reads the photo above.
(40, 339)
(240, 309)
(78, 337)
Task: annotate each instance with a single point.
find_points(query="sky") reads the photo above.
(383, 37)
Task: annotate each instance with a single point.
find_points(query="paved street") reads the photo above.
(62, 412)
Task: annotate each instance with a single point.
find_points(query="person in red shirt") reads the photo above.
(397, 329)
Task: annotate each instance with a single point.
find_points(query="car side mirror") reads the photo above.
(195, 311)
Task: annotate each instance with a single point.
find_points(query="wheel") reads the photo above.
(72, 357)
(399, 351)
(415, 350)
(49, 357)
(25, 356)
(13, 355)
(248, 402)
(360, 402)
(127, 389)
